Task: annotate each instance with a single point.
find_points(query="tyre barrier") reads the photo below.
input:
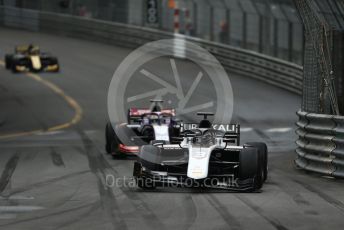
(320, 144)
(268, 69)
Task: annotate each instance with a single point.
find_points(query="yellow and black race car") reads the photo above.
(29, 58)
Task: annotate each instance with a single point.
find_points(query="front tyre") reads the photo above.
(56, 62)
(141, 181)
(8, 61)
(128, 117)
(263, 152)
(14, 68)
(251, 167)
(109, 137)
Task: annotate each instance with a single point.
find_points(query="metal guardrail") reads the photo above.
(321, 143)
(13, 17)
(235, 60)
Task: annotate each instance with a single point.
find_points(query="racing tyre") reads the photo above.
(55, 61)
(14, 68)
(251, 166)
(109, 134)
(128, 117)
(148, 131)
(8, 61)
(263, 152)
(141, 181)
(116, 154)
(248, 160)
(112, 143)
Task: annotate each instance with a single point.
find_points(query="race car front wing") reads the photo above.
(166, 179)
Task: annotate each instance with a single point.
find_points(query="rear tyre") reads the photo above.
(263, 152)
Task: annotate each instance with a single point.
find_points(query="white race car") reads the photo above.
(206, 157)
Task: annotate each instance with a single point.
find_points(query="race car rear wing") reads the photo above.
(232, 131)
(24, 48)
(21, 49)
(134, 114)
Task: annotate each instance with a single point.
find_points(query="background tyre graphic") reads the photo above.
(186, 97)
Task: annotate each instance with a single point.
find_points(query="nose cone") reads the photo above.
(198, 162)
(36, 62)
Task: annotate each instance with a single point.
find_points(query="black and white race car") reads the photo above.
(144, 126)
(205, 157)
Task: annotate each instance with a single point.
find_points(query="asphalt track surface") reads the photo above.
(55, 179)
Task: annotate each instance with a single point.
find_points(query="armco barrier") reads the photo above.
(18, 18)
(321, 143)
(265, 68)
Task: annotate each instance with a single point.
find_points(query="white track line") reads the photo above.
(279, 130)
(20, 208)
